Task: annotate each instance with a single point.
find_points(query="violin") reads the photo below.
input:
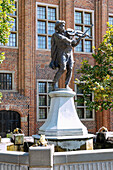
(70, 32)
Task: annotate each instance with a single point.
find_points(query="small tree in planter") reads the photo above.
(98, 79)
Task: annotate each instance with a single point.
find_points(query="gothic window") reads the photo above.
(46, 18)
(82, 110)
(43, 99)
(83, 21)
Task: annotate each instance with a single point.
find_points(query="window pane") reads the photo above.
(89, 98)
(41, 12)
(89, 31)
(78, 28)
(78, 17)
(52, 13)
(87, 18)
(14, 28)
(15, 12)
(9, 81)
(9, 86)
(88, 46)
(49, 42)
(42, 87)
(79, 90)
(51, 27)
(41, 27)
(42, 100)
(80, 113)
(79, 47)
(42, 113)
(50, 87)
(5, 81)
(15, 4)
(8, 77)
(12, 40)
(89, 114)
(81, 102)
(41, 42)
(111, 20)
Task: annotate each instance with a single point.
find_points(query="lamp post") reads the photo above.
(28, 120)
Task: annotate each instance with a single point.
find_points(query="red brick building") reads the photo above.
(25, 77)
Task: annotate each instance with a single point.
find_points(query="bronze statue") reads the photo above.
(61, 51)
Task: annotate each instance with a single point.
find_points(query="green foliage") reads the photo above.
(0, 96)
(2, 57)
(98, 79)
(6, 22)
(6, 9)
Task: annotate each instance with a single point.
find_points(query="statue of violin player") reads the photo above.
(62, 42)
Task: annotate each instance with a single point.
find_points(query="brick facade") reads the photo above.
(30, 64)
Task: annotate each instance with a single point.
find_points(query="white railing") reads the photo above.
(84, 160)
(86, 166)
(6, 166)
(14, 160)
(44, 158)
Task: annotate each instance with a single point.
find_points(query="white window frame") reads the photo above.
(13, 85)
(57, 16)
(15, 47)
(92, 14)
(110, 15)
(84, 107)
(46, 81)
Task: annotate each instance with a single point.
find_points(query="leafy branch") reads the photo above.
(6, 23)
(98, 79)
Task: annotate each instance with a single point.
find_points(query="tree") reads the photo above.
(98, 79)
(6, 22)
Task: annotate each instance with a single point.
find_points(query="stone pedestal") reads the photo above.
(63, 127)
(63, 119)
(41, 158)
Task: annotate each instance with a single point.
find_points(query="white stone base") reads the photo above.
(63, 119)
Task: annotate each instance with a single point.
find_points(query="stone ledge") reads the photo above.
(62, 93)
(83, 156)
(14, 157)
(88, 136)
